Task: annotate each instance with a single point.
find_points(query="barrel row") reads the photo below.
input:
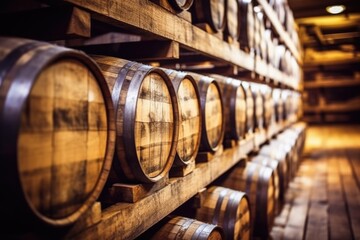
(245, 202)
(71, 123)
(224, 213)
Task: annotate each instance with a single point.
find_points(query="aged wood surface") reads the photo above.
(130, 220)
(229, 209)
(57, 139)
(146, 118)
(186, 228)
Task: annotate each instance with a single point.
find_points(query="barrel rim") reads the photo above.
(176, 6)
(59, 54)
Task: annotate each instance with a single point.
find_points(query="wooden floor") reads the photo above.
(323, 201)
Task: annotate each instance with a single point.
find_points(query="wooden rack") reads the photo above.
(129, 220)
(147, 17)
(284, 36)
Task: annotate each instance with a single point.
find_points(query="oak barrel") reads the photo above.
(247, 21)
(57, 132)
(269, 117)
(258, 183)
(189, 117)
(275, 166)
(234, 101)
(284, 149)
(212, 113)
(232, 17)
(229, 209)
(257, 37)
(258, 107)
(249, 108)
(289, 139)
(182, 228)
(146, 119)
(278, 154)
(181, 5)
(211, 12)
(278, 105)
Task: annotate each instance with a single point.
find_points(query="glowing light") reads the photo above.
(335, 9)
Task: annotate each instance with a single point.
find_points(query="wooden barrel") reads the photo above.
(263, 45)
(232, 17)
(257, 36)
(247, 19)
(269, 117)
(278, 154)
(182, 228)
(289, 139)
(249, 108)
(300, 128)
(146, 119)
(181, 5)
(279, 55)
(257, 182)
(211, 12)
(189, 117)
(234, 101)
(270, 43)
(229, 209)
(212, 113)
(288, 151)
(286, 97)
(258, 107)
(276, 167)
(57, 132)
(278, 105)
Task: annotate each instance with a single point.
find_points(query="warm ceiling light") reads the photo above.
(335, 9)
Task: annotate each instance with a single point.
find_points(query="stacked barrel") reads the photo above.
(74, 124)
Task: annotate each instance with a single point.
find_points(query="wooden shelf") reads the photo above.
(338, 63)
(145, 16)
(338, 107)
(129, 220)
(284, 36)
(329, 83)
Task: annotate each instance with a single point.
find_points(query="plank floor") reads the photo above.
(323, 200)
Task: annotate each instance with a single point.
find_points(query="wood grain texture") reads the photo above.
(250, 105)
(229, 209)
(257, 182)
(258, 109)
(182, 228)
(165, 24)
(189, 117)
(278, 154)
(146, 119)
(211, 12)
(212, 111)
(269, 116)
(234, 101)
(275, 166)
(57, 117)
(130, 220)
(279, 105)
